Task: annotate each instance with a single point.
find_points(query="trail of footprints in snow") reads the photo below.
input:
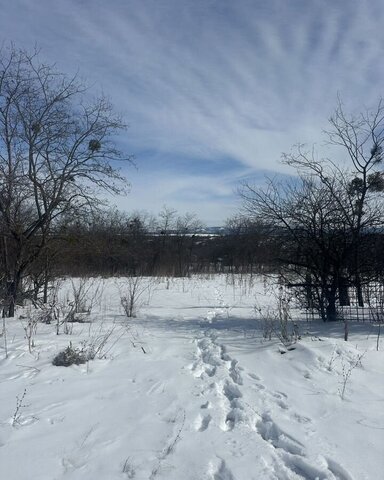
(291, 454)
(210, 357)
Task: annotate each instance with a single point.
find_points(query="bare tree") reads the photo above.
(327, 215)
(56, 152)
(302, 218)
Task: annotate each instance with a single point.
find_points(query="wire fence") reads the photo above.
(366, 307)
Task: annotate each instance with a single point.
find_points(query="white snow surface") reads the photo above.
(190, 390)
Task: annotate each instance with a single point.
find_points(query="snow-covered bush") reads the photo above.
(70, 356)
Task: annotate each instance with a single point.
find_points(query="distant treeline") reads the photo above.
(170, 253)
(119, 244)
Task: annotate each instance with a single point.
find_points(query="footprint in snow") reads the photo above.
(222, 472)
(258, 386)
(271, 433)
(282, 405)
(236, 413)
(202, 422)
(301, 418)
(157, 387)
(54, 420)
(234, 372)
(304, 469)
(231, 391)
(279, 395)
(223, 354)
(338, 471)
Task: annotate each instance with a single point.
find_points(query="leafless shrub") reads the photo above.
(100, 342)
(20, 405)
(376, 310)
(29, 322)
(134, 293)
(30, 329)
(277, 320)
(346, 372)
(77, 305)
(335, 354)
(85, 293)
(268, 322)
(169, 448)
(65, 314)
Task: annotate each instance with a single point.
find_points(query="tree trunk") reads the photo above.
(343, 293)
(13, 293)
(45, 289)
(346, 330)
(331, 311)
(359, 292)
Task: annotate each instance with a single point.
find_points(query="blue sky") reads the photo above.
(213, 90)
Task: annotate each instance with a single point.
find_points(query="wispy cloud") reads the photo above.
(216, 88)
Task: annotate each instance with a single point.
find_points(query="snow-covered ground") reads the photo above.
(190, 390)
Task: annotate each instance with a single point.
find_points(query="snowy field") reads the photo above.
(189, 390)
